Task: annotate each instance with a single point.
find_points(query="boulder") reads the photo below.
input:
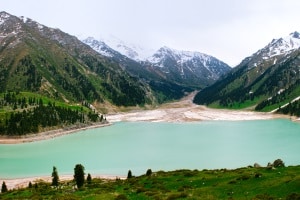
(256, 165)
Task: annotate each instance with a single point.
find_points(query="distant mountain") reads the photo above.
(162, 88)
(44, 60)
(132, 51)
(189, 68)
(268, 79)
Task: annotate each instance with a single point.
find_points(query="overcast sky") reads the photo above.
(227, 29)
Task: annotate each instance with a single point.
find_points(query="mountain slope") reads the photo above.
(271, 75)
(36, 58)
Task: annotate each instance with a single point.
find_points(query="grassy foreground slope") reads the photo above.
(242, 183)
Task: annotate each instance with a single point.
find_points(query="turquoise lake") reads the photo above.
(139, 146)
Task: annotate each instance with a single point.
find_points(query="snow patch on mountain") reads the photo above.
(130, 50)
(3, 17)
(98, 46)
(24, 19)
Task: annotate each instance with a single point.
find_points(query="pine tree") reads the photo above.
(4, 188)
(129, 175)
(55, 177)
(79, 175)
(89, 179)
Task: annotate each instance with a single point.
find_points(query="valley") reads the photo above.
(207, 129)
(183, 110)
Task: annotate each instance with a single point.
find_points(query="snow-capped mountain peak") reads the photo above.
(275, 50)
(283, 45)
(99, 46)
(127, 49)
(180, 55)
(188, 63)
(132, 51)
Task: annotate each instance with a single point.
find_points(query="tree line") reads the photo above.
(292, 109)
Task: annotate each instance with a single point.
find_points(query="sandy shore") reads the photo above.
(48, 134)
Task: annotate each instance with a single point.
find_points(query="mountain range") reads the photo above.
(267, 80)
(191, 69)
(50, 62)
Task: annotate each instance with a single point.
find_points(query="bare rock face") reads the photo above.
(256, 165)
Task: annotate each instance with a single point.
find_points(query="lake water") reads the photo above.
(139, 146)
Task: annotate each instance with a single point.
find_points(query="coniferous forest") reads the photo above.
(292, 109)
(31, 115)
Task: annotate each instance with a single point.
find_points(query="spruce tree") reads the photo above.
(79, 175)
(55, 177)
(89, 179)
(129, 175)
(4, 188)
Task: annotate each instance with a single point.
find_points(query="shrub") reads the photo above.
(278, 163)
(149, 172)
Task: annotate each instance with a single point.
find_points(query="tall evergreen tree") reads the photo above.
(89, 179)
(79, 175)
(55, 178)
(4, 188)
(129, 175)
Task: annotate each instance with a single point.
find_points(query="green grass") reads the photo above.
(242, 183)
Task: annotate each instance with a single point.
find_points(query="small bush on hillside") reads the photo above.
(278, 163)
(149, 172)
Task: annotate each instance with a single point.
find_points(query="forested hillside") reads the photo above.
(264, 82)
(23, 113)
(48, 61)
